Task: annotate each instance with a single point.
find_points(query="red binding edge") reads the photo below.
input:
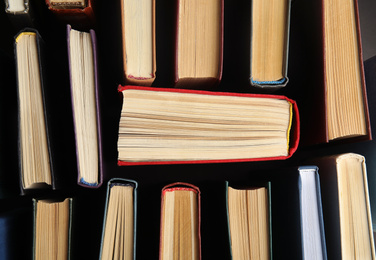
(295, 129)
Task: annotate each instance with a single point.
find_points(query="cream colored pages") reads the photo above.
(237, 205)
(35, 161)
(84, 105)
(118, 239)
(345, 108)
(52, 230)
(199, 38)
(157, 126)
(137, 16)
(249, 223)
(356, 231)
(268, 41)
(179, 225)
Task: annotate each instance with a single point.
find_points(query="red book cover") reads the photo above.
(182, 186)
(293, 138)
(82, 18)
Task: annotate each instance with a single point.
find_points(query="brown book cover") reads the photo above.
(309, 87)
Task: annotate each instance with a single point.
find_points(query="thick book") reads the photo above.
(334, 92)
(77, 13)
(34, 144)
(270, 23)
(120, 220)
(249, 221)
(52, 228)
(175, 126)
(199, 43)
(84, 83)
(368, 148)
(346, 207)
(180, 235)
(138, 41)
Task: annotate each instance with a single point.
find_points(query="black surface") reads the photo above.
(89, 203)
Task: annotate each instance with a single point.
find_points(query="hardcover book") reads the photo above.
(138, 35)
(52, 228)
(311, 216)
(85, 106)
(249, 221)
(346, 207)
(199, 43)
(270, 22)
(175, 126)
(120, 219)
(180, 235)
(35, 155)
(334, 93)
(367, 149)
(296, 214)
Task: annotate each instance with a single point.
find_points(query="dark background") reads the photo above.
(89, 203)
